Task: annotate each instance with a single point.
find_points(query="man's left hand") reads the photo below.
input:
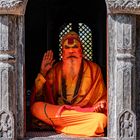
(100, 106)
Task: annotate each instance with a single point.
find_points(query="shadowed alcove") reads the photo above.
(47, 20)
(29, 28)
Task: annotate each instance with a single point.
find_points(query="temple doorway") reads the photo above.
(47, 20)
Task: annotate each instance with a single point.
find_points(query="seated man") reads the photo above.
(73, 90)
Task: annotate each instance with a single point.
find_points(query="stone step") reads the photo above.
(51, 135)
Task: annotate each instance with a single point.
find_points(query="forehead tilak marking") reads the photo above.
(70, 36)
(75, 42)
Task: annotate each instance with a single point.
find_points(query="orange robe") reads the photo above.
(78, 118)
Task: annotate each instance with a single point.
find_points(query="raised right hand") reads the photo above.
(47, 62)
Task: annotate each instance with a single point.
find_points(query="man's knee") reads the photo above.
(36, 108)
(102, 118)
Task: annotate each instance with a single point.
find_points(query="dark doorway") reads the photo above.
(43, 21)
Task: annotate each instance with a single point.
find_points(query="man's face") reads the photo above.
(71, 49)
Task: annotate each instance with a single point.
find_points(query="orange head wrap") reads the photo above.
(70, 36)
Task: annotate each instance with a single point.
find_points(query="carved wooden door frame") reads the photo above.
(121, 48)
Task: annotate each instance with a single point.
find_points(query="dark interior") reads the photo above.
(43, 21)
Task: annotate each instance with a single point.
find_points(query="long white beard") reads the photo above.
(71, 68)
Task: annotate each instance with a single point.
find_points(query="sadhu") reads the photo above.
(75, 97)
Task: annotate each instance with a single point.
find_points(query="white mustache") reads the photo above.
(72, 56)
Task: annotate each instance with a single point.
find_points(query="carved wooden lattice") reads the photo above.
(86, 39)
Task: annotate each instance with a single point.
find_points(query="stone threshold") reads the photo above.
(55, 136)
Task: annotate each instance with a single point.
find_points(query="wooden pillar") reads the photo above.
(12, 45)
(121, 76)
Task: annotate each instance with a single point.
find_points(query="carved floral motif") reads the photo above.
(9, 3)
(124, 5)
(13, 7)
